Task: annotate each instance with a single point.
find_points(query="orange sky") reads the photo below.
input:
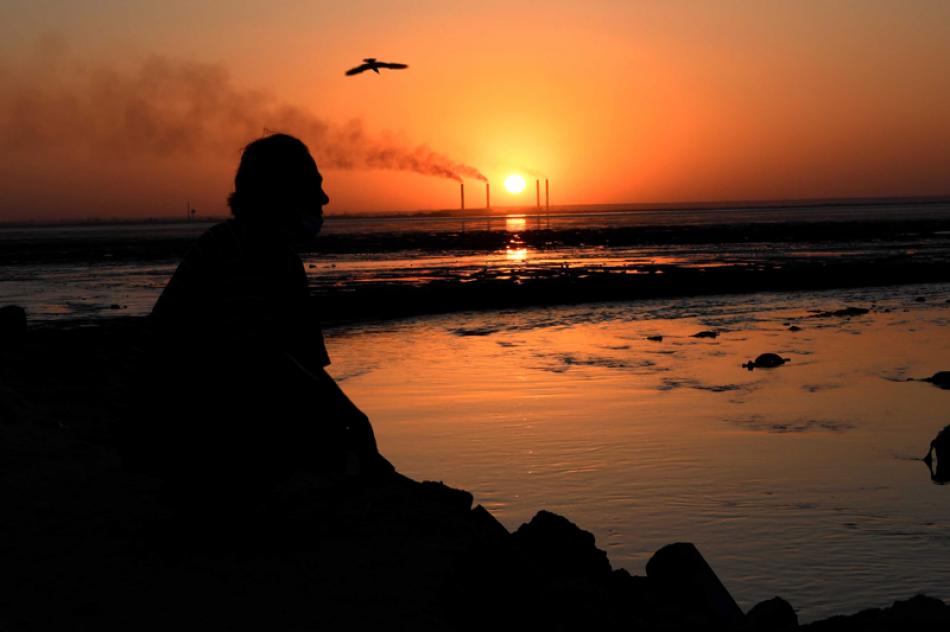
(110, 108)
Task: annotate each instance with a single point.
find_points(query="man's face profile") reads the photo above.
(309, 206)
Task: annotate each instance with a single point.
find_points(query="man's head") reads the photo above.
(277, 185)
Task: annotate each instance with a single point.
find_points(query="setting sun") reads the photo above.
(514, 183)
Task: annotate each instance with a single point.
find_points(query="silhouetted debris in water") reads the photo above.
(766, 361)
(772, 614)
(794, 328)
(939, 447)
(706, 334)
(655, 338)
(686, 581)
(918, 613)
(921, 299)
(12, 323)
(846, 312)
(474, 331)
(940, 378)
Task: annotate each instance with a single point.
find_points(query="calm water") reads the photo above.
(799, 481)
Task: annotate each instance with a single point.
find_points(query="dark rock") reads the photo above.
(548, 575)
(766, 361)
(921, 299)
(115, 306)
(449, 497)
(794, 328)
(488, 525)
(12, 323)
(655, 338)
(939, 447)
(940, 378)
(847, 312)
(559, 546)
(917, 613)
(706, 334)
(685, 579)
(772, 614)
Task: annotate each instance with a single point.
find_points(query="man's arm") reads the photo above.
(338, 405)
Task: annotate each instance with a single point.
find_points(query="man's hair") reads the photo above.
(274, 170)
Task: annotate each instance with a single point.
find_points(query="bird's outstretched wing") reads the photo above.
(384, 64)
(358, 69)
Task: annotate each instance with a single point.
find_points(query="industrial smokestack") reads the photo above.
(487, 196)
(537, 190)
(462, 193)
(547, 197)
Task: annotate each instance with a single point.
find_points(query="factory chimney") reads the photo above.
(537, 190)
(487, 197)
(462, 193)
(547, 197)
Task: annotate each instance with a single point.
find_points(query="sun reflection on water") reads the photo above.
(515, 223)
(515, 250)
(515, 254)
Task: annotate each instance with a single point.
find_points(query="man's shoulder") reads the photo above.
(221, 239)
(223, 231)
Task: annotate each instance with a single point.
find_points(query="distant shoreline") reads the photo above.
(560, 209)
(394, 270)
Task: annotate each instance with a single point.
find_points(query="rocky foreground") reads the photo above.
(85, 544)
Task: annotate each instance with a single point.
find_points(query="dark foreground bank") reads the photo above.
(87, 545)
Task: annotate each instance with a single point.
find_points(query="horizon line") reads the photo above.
(705, 205)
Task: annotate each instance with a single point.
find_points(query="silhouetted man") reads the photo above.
(240, 398)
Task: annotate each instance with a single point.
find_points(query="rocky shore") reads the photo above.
(87, 544)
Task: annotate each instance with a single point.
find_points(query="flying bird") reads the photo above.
(374, 65)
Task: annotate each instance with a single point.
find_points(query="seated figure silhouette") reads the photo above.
(235, 396)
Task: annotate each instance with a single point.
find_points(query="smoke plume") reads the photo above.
(168, 108)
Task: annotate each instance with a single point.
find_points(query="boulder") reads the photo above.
(706, 334)
(557, 545)
(766, 361)
(772, 614)
(683, 577)
(939, 447)
(940, 378)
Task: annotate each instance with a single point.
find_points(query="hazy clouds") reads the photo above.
(166, 108)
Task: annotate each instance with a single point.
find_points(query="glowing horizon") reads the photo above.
(133, 113)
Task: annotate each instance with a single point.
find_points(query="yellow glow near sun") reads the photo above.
(514, 183)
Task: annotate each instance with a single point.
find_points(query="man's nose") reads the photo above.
(324, 198)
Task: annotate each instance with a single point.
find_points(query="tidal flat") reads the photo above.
(803, 480)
